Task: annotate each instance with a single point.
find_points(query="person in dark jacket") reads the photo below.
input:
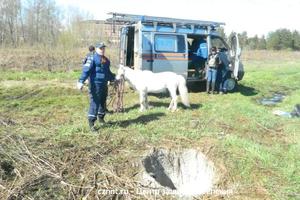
(198, 55)
(223, 71)
(91, 52)
(97, 70)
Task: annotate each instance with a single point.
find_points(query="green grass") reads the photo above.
(250, 146)
(38, 75)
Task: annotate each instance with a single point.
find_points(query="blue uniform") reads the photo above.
(98, 74)
(202, 51)
(199, 55)
(87, 56)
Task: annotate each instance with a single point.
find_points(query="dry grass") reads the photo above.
(50, 59)
(266, 55)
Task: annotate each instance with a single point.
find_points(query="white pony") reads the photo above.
(147, 81)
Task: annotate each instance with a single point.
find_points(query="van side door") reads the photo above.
(147, 56)
(170, 53)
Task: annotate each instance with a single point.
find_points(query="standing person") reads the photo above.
(202, 54)
(97, 69)
(223, 71)
(91, 52)
(211, 74)
(199, 55)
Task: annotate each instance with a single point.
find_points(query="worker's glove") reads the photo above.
(116, 82)
(79, 86)
(113, 82)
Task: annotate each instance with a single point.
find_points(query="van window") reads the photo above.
(147, 42)
(169, 43)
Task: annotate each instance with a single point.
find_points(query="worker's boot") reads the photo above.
(92, 125)
(101, 116)
(101, 120)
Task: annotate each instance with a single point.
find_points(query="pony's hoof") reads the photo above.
(172, 109)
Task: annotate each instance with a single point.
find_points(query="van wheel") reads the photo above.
(231, 85)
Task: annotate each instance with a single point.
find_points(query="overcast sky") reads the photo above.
(254, 16)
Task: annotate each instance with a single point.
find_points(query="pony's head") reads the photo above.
(121, 72)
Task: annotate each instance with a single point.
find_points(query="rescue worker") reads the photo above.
(91, 52)
(97, 70)
(199, 55)
(211, 73)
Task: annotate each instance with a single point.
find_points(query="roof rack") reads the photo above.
(132, 19)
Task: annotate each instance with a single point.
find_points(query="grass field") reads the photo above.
(48, 152)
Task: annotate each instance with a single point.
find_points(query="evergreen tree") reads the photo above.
(243, 38)
(296, 40)
(262, 43)
(280, 39)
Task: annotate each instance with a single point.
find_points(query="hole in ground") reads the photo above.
(188, 171)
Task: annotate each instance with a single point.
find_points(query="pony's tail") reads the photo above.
(183, 91)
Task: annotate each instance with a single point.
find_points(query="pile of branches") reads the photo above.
(117, 95)
(43, 175)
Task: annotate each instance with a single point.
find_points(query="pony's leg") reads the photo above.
(173, 104)
(142, 101)
(147, 102)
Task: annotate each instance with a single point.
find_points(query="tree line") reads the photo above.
(29, 21)
(39, 22)
(280, 39)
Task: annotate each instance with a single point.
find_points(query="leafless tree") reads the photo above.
(35, 21)
(9, 20)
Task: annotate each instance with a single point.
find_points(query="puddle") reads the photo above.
(295, 112)
(187, 172)
(275, 99)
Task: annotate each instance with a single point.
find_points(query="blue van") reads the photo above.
(182, 46)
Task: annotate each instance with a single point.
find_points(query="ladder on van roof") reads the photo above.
(122, 18)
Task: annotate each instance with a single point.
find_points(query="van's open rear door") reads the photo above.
(127, 46)
(123, 46)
